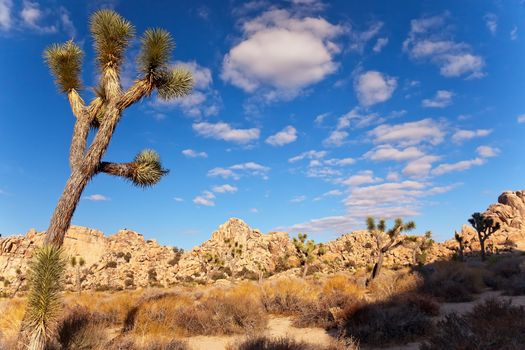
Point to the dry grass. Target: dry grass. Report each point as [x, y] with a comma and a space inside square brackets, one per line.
[12, 311]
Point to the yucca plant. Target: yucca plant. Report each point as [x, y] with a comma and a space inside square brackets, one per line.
[385, 240]
[111, 35]
[485, 227]
[46, 272]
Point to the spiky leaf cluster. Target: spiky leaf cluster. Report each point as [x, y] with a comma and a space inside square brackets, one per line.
[176, 82]
[483, 224]
[46, 273]
[147, 169]
[155, 52]
[307, 249]
[111, 35]
[65, 62]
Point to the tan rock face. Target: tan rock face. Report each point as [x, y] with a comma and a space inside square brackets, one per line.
[510, 213]
[127, 260]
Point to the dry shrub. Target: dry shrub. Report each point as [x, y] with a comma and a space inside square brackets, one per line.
[12, 312]
[266, 343]
[111, 307]
[398, 320]
[454, 281]
[79, 329]
[338, 295]
[507, 274]
[222, 313]
[493, 324]
[286, 295]
[390, 283]
[219, 311]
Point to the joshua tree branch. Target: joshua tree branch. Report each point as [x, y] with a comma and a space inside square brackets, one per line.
[140, 88]
[116, 169]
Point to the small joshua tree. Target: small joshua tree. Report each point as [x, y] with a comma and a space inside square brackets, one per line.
[78, 264]
[461, 245]
[485, 227]
[385, 240]
[419, 246]
[20, 278]
[307, 251]
[111, 34]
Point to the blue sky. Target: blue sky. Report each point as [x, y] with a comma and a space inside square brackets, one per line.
[306, 116]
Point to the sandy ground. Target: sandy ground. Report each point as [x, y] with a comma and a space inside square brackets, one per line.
[277, 327]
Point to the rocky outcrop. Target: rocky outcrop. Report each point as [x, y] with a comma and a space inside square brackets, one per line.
[234, 250]
[509, 212]
[122, 260]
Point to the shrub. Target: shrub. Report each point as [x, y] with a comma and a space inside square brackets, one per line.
[454, 282]
[395, 321]
[79, 329]
[111, 264]
[265, 343]
[493, 324]
[286, 295]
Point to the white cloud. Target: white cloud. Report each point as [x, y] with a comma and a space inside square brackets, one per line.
[190, 153]
[380, 44]
[223, 131]
[392, 176]
[491, 21]
[514, 33]
[238, 170]
[254, 210]
[308, 155]
[178, 199]
[487, 151]
[6, 20]
[205, 199]
[97, 198]
[463, 135]
[336, 138]
[410, 133]
[430, 39]
[458, 166]
[442, 99]
[340, 161]
[420, 167]
[319, 119]
[358, 39]
[362, 178]
[204, 100]
[387, 200]
[31, 15]
[283, 137]
[282, 52]
[298, 199]
[521, 118]
[374, 87]
[226, 188]
[387, 152]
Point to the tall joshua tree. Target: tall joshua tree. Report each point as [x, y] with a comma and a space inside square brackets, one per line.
[485, 227]
[385, 240]
[111, 35]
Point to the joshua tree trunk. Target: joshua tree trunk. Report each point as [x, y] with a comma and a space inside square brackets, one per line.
[66, 206]
[482, 247]
[305, 269]
[377, 268]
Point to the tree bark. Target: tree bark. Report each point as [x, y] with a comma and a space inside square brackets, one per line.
[305, 270]
[61, 218]
[482, 247]
[377, 268]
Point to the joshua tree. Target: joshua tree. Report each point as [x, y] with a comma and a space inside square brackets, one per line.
[485, 226]
[385, 240]
[419, 246]
[461, 245]
[111, 34]
[307, 251]
[78, 264]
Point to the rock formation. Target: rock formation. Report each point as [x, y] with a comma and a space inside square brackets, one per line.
[234, 250]
[509, 212]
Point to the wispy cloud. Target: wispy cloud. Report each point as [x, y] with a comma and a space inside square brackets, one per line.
[283, 137]
[97, 198]
[190, 153]
[442, 99]
[239, 170]
[223, 131]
